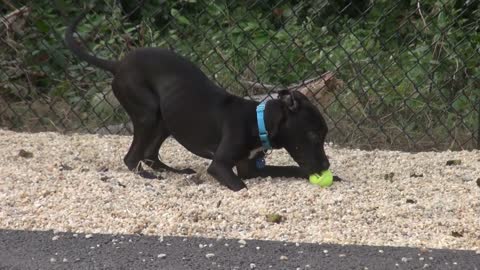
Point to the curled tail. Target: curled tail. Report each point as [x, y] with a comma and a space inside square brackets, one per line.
[81, 53]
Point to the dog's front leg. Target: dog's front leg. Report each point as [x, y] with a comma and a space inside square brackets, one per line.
[281, 171]
[223, 172]
[247, 168]
[221, 168]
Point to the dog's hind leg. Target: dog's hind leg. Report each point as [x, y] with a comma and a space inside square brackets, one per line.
[142, 108]
[152, 158]
[135, 153]
[149, 131]
[142, 136]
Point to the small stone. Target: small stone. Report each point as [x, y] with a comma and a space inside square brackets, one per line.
[258, 248]
[478, 182]
[88, 236]
[162, 255]
[325, 251]
[380, 251]
[25, 154]
[252, 266]
[55, 238]
[454, 162]
[65, 260]
[342, 255]
[209, 255]
[75, 235]
[242, 242]
[102, 169]
[389, 176]
[283, 258]
[404, 259]
[52, 260]
[426, 265]
[411, 201]
[201, 245]
[457, 234]
[65, 167]
[274, 218]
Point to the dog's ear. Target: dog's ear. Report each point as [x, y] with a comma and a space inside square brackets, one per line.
[289, 99]
[276, 113]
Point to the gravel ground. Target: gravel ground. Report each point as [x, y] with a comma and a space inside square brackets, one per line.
[78, 183]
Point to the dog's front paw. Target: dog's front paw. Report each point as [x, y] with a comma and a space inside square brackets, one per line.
[187, 171]
[237, 186]
[148, 175]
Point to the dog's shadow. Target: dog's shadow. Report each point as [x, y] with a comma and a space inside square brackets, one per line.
[336, 178]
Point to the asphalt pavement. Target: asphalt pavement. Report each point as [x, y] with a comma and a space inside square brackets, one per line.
[49, 250]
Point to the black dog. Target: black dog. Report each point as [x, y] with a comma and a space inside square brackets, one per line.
[165, 95]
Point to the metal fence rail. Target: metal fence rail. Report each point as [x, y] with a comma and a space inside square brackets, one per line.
[386, 74]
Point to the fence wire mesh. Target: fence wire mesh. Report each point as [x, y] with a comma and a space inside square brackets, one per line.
[400, 75]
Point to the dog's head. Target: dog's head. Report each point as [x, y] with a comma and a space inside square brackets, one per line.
[298, 126]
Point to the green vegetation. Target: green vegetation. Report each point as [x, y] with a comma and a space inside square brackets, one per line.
[411, 70]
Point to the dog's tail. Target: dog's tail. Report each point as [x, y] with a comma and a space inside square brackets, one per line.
[81, 53]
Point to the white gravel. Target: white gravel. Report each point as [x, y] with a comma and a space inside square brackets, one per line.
[79, 183]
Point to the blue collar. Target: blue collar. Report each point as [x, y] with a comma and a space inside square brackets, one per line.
[262, 130]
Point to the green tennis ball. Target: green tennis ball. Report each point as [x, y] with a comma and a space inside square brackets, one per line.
[324, 179]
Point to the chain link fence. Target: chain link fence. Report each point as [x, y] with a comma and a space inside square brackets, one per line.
[400, 75]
